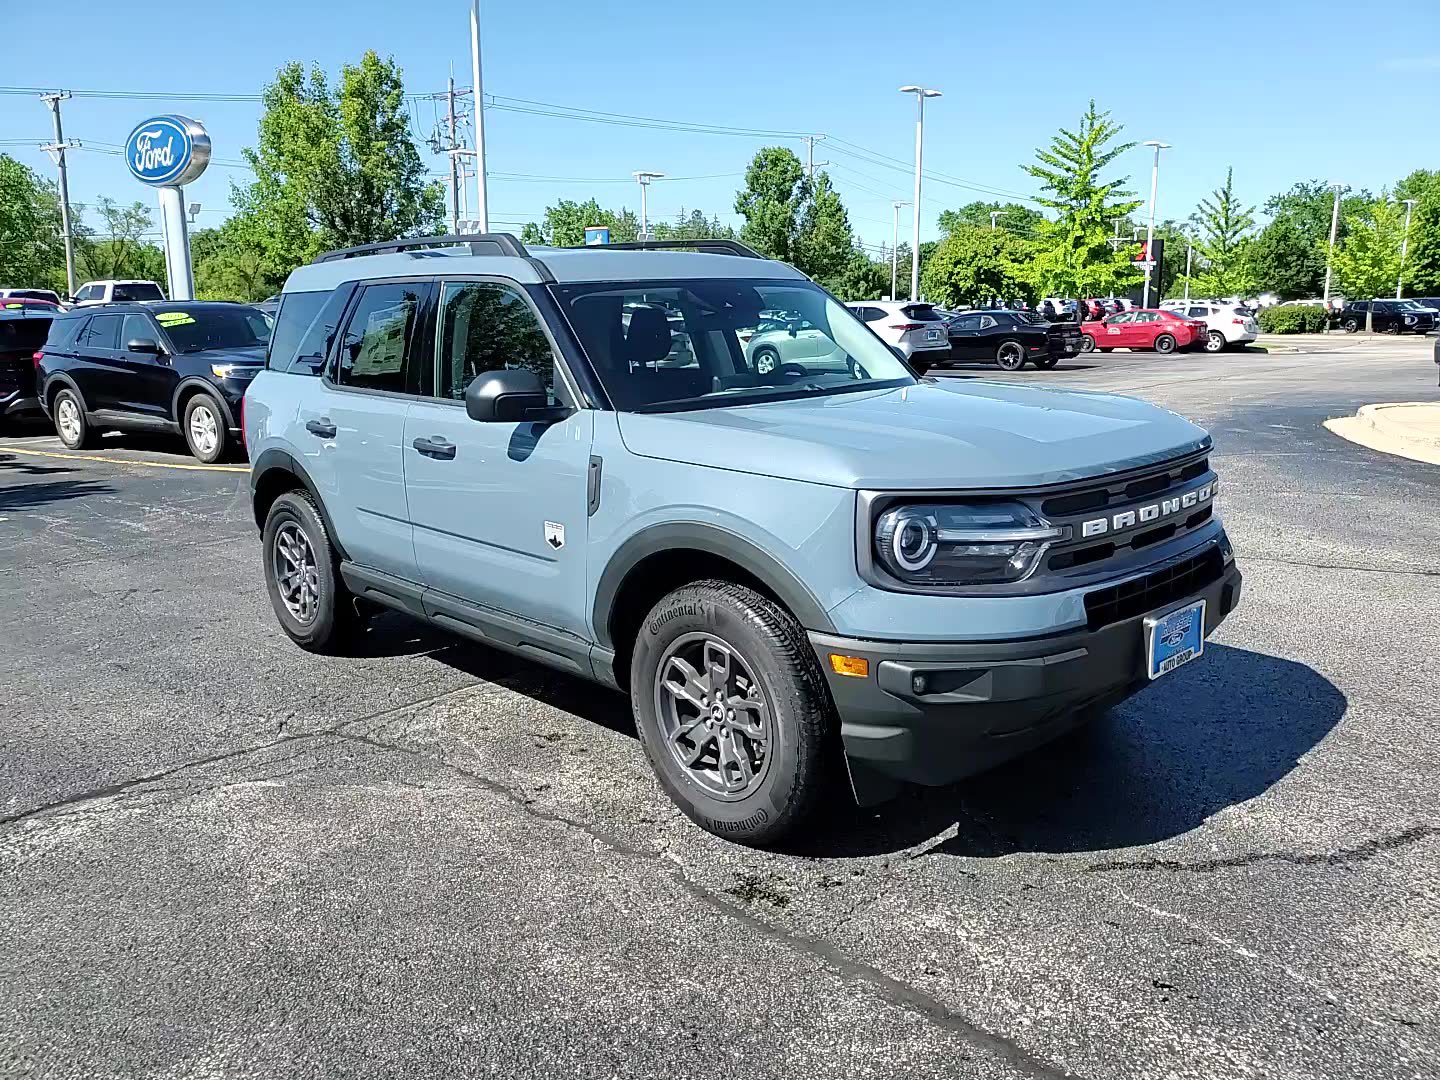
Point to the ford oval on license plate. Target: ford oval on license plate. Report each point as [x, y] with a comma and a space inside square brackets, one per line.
[1174, 639]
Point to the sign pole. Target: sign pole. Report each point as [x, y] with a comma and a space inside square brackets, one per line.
[166, 153]
[177, 243]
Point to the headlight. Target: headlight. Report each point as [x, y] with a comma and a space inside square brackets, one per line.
[232, 371]
[961, 544]
[1409, 320]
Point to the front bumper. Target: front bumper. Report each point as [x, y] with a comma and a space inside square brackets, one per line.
[983, 703]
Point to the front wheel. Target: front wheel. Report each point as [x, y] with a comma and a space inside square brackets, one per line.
[205, 432]
[1087, 343]
[1010, 355]
[1165, 344]
[732, 711]
[1214, 341]
[1351, 325]
[766, 361]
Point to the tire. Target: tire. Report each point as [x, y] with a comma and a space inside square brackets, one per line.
[204, 426]
[70, 424]
[1087, 344]
[782, 780]
[766, 360]
[1165, 344]
[1215, 341]
[332, 616]
[1010, 355]
[1045, 363]
[1350, 325]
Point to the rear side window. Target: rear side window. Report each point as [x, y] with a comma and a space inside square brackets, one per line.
[377, 339]
[102, 333]
[304, 327]
[144, 290]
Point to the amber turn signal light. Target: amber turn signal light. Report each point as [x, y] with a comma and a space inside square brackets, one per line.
[857, 666]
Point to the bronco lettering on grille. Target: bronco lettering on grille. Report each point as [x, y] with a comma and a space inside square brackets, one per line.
[1148, 514]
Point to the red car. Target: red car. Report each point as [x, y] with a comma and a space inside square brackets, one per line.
[1145, 328]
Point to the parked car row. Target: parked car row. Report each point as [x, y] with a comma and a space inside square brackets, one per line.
[109, 291]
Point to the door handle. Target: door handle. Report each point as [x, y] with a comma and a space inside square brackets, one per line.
[322, 427]
[435, 447]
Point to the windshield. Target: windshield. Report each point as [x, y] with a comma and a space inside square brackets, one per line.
[1411, 305]
[676, 345]
[196, 329]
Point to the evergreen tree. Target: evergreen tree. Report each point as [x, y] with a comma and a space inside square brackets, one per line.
[1223, 225]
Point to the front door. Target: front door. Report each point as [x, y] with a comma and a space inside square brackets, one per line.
[965, 338]
[499, 510]
[356, 421]
[144, 382]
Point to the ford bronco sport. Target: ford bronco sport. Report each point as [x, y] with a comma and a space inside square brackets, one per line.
[786, 566]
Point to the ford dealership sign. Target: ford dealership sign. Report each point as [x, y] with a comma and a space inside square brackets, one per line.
[167, 151]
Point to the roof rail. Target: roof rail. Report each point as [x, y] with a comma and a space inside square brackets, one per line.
[713, 247]
[478, 243]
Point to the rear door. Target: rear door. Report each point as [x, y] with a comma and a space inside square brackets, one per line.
[96, 370]
[1142, 330]
[500, 510]
[356, 421]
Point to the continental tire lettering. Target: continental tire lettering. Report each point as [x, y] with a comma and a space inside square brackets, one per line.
[758, 818]
[671, 614]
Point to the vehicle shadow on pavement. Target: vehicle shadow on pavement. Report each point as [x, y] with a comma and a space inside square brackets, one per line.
[1214, 734]
[27, 495]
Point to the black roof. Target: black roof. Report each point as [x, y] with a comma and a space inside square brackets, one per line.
[126, 307]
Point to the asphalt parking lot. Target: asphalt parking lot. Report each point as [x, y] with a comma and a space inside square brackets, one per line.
[221, 856]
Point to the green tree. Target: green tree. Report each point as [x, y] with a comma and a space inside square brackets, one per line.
[334, 168]
[31, 251]
[229, 265]
[1422, 258]
[1224, 225]
[975, 265]
[1367, 264]
[1074, 256]
[692, 226]
[117, 247]
[1288, 257]
[1018, 219]
[863, 277]
[566, 221]
[823, 240]
[772, 201]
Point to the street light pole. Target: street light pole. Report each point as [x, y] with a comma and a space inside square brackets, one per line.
[482, 209]
[644, 176]
[1338, 188]
[1189, 248]
[1150, 231]
[895, 249]
[921, 93]
[1404, 245]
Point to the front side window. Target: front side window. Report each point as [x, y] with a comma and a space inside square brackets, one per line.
[136, 327]
[486, 326]
[1118, 320]
[697, 344]
[968, 322]
[372, 352]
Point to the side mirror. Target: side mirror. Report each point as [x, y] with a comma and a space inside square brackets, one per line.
[793, 326]
[144, 345]
[510, 396]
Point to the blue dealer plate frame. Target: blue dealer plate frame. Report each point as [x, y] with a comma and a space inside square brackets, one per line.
[1174, 639]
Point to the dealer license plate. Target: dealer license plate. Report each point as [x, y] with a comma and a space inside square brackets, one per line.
[932, 335]
[1174, 639]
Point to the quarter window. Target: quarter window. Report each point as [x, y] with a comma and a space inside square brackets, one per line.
[486, 326]
[372, 353]
[986, 322]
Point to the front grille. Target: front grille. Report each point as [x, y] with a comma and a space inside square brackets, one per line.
[1142, 595]
[1103, 495]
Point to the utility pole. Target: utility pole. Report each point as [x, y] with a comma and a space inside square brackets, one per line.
[993, 215]
[482, 212]
[1338, 188]
[895, 249]
[1189, 248]
[57, 152]
[454, 178]
[1404, 245]
[810, 163]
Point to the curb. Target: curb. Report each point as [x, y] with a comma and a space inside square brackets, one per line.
[1378, 428]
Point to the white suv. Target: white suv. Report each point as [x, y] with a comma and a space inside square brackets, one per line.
[113, 292]
[910, 326]
[1229, 324]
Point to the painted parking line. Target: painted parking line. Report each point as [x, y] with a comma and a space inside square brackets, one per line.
[125, 461]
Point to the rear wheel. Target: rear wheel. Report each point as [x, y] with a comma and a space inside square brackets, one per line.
[766, 360]
[1351, 325]
[1214, 341]
[70, 423]
[302, 575]
[732, 711]
[1010, 355]
[1087, 343]
[1165, 344]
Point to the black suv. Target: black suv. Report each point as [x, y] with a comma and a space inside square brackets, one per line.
[23, 328]
[1390, 316]
[1010, 338]
[178, 367]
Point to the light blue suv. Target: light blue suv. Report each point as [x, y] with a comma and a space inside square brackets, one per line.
[797, 573]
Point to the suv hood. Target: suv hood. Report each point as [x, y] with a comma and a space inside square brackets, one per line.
[240, 354]
[932, 436]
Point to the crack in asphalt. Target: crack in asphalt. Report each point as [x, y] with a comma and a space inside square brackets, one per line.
[1370, 848]
[1337, 566]
[895, 991]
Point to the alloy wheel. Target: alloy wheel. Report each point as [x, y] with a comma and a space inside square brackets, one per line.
[297, 574]
[67, 419]
[1010, 356]
[1215, 341]
[204, 430]
[713, 715]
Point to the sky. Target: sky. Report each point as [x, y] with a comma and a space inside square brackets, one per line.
[1274, 89]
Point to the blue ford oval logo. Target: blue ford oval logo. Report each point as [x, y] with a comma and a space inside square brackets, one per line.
[167, 151]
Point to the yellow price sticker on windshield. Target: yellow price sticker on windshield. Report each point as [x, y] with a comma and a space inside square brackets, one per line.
[173, 318]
